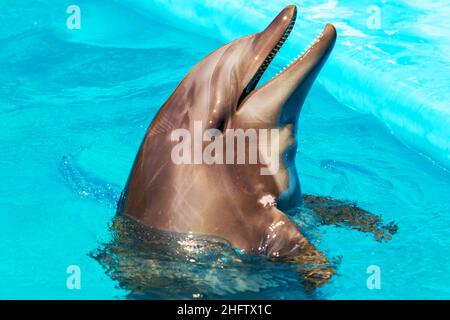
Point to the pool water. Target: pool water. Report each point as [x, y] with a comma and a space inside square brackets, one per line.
[75, 104]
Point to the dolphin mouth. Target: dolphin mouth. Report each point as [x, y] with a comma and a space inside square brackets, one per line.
[259, 73]
[254, 82]
[305, 62]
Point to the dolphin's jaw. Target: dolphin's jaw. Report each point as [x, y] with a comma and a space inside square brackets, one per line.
[304, 64]
[277, 104]
[259, 73]
[305, 54]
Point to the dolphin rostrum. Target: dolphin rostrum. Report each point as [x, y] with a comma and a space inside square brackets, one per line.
[232, 200]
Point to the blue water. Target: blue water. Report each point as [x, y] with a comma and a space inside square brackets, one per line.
[74, 105]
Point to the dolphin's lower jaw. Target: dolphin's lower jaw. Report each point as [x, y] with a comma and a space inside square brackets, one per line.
[304, 65]
[277, 103]
[233, 202]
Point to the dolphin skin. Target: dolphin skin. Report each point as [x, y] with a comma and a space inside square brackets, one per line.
[233, 201]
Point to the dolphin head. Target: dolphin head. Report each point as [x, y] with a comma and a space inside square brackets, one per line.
[224, 82]
[220, 91]
[226, 76]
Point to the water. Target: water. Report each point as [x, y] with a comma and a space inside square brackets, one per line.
[74, 106]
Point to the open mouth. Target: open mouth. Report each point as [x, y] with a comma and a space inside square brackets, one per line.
[300, 57]
[254, 81]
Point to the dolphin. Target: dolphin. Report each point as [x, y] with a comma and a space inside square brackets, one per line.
[233, 201]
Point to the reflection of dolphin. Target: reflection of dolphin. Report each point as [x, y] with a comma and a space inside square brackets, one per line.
[234, 202]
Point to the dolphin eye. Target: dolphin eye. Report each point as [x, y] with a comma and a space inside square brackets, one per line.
[221, 125]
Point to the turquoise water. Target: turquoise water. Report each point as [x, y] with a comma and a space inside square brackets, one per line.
[75, 104]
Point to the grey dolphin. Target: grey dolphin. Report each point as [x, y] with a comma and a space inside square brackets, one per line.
[233, 201]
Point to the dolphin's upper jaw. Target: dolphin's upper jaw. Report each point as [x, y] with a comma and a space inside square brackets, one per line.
[270, 41]
[291, 17]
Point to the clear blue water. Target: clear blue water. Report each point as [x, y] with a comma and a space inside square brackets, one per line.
[74, 106]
